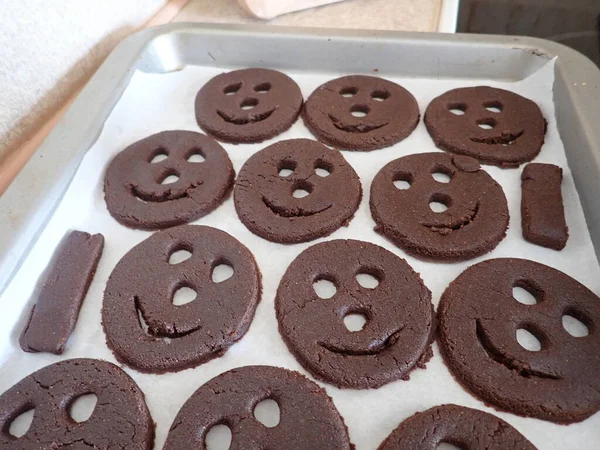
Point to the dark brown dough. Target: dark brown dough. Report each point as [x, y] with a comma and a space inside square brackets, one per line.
[469, 429]
[388, 113]
[248, 105]
[143, 327]
[54, 315]
[479, 319]
[308, 417]
[517, 125]
[474, 223]
[397, 335]
[542, 211]
[133, 189]
[120, 419]
[264, 199]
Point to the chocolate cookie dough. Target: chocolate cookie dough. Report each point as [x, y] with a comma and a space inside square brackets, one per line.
[54, 315]
[167, 179]
[479, 319]
[493, 125]
[120, 418]
[147, 331]
[359, 112]
[308, 418]
[405, 192]
[266, 191]
[542, 211]
[463, 427]
[248, 105]
[399, 324]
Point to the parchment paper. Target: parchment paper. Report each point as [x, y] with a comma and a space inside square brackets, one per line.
[157, 102]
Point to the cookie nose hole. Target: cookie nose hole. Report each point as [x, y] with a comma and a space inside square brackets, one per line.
[20, 424]
[262, 88]
[160, 154]
[486, 124]
[458, 109]
[380, 95]
[348, 92]
[249, 103]
[355, 322]
[448, 446]
[528, 340]
[574, 326]
[232, 88]
[195, 156]
[184, 295]
[179, 256]
[82, 407]
[267, 412]
[359, 110]
[218, 438]
[221, 272]
[526, 294]
[170, 178]
[324, 288]
[402, 181]
[302, 189]
[494, 107]
[439, 203]
[367, 280]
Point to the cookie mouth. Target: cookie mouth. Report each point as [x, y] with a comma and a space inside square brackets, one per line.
[457, 225]
[503, 139]
[375, 347]
[250, 118]
[158, 330]
[520, 367]
[360, 128]
[289, 211]
[165, 196]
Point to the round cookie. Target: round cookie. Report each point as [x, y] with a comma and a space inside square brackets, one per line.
[248, 105]
[479, 319]
[147, 331]
[266, 188]
[308, 417]
[476, 218]
[457, 425]
[399, 326]
[360, 112]
[137, 189]
[120, 418]
[493, 125]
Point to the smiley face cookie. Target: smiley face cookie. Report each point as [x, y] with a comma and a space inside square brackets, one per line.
[248, 105]
[479, 321]
[295, 191]
[407, 191]
[397, 307]
[360, 112]
[493, 125]
[167, 179]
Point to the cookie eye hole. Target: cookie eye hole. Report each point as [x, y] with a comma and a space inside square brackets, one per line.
[367, 280]
[494, 107]
[348, 92]
[355, 322]
[380, 95]
[218, 437]
[486, 124]
[301, 189]
[359, 110]
[575, 323]
[267, 412]
[525, 293]
[82, 407]
[160, 154]
[441, 174]
[232, 88]
[21, 424]
[179, 255]
[402, 181]
[169, 178]
[195, 155]
[184, 295]
[324, 288]
[248, 103]
[286, 168]
[262, 87]
[448, 446]
[323, 168]
[458, 109]
[223, 271]
[528, 340]
[439, 203]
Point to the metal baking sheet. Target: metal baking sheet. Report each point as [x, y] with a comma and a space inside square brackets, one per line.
[30, 201]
